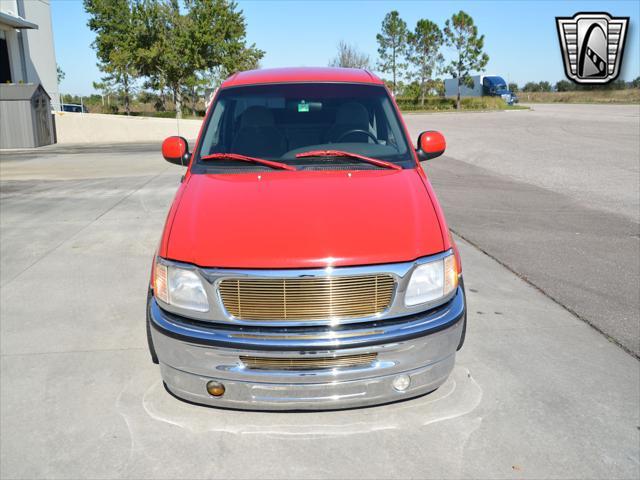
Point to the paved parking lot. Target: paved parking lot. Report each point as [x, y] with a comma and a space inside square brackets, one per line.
[536, 391]
[554, 194]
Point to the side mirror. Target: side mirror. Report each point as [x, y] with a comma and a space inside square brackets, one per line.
[176, 150]
[431, 144]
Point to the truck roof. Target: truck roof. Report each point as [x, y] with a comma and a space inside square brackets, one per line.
[301, 74]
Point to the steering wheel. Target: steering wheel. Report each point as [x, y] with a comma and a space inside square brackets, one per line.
[357, 130]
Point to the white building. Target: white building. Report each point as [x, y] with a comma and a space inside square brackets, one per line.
[27, 53]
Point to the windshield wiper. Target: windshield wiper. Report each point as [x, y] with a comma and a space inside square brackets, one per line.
[245, 158]
[341, 153]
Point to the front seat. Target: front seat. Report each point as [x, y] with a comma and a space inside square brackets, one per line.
[257, 135]
[350, 116]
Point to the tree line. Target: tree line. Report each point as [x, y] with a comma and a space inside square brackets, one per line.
[415, 55]
[567, 86]
[177, 47]
[161, 51]
[173, 47]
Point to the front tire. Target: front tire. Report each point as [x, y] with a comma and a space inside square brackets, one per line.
[152, 350]
[464, 333]
[464, 325]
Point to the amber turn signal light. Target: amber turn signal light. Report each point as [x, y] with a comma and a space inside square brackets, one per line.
[215, 389]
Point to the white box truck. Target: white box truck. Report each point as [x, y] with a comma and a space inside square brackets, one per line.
[483, 85]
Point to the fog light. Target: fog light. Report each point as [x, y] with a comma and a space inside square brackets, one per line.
[401, 382]
[215, 389]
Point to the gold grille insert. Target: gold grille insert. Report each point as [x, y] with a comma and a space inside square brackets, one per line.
[303, 363]
[318, 298]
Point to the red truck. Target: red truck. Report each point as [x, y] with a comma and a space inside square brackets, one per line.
[305, 262]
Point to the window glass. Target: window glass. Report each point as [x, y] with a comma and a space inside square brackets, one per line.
[276, 122]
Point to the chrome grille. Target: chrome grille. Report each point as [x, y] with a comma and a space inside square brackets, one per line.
[317, 298]
[307, 363]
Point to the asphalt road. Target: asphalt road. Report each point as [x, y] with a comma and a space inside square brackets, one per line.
[554, 194]
[536, 392]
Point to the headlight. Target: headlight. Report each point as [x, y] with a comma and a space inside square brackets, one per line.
[432, 281]
[180, 287]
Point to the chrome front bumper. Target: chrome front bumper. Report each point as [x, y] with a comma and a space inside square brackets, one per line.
[420, 346]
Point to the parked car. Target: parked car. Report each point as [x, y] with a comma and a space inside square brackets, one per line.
[483, 85]
[305, 262]
[74, 108]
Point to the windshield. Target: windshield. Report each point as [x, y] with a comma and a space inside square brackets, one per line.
[277, 122]
[495, 83]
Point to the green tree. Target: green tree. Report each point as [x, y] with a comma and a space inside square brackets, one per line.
[106, 90]
[115, 26]
[618, 85]
[537, 87]
[564, 86]
[423, 54]
[635, 83]
[410, 91]
[615, 85]
[166, 53]
[156, 84]
[177, 50]
[349, 57]
[437, 86]
[392, 46]
[219, 32]
[513, 87]
[544, 86]
[462, 35]
[60, 74]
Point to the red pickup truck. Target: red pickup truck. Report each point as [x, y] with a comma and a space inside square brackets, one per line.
[305, 262]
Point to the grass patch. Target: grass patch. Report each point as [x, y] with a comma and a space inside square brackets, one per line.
[442, 104]
[627, 96]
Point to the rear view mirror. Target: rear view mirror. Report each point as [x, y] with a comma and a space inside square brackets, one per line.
[176, 150]
[431, 144]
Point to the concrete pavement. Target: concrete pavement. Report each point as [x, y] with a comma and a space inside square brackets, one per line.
[586, 152]
[554, 194]
[536, 392]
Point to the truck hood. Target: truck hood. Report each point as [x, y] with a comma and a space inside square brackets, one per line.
[304, 219]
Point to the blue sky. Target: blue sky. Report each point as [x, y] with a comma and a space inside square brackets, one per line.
[520, 36]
